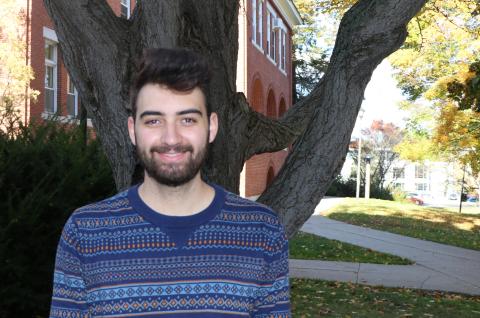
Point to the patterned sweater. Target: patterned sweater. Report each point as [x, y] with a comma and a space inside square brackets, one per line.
[120, 258]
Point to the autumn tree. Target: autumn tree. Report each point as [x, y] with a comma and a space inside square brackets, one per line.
[99, 49]
[15, 74]
[379, 142]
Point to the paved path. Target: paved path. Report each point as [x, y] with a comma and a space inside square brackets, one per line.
[437, 266]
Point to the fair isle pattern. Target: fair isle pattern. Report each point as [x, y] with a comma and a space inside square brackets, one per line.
[116, 259]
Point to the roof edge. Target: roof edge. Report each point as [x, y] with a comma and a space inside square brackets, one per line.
[289, 12]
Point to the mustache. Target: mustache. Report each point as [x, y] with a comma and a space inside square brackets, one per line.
[174, 148]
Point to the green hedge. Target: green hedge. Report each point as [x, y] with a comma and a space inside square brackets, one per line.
[46, 172]
[347, 188]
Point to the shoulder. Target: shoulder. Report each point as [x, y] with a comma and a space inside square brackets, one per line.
[243, 210]
[114, 203]
[102, 213]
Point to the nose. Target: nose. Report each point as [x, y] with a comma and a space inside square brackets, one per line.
[171, 134]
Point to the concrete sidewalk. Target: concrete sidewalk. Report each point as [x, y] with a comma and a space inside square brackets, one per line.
[437, 266]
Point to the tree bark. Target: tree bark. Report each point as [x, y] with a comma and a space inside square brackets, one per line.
[99, 49]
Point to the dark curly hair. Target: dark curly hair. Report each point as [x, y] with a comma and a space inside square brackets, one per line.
[178, 69]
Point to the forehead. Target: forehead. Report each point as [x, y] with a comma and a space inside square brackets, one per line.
[155, 97]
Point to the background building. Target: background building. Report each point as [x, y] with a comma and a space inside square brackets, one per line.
[264, 70]
[264, 74]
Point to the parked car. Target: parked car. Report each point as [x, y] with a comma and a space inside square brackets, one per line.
[453, 196]
[472, 199]
[415, 198]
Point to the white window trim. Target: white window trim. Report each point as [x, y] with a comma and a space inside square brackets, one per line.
[260, 23]
[50, 34]
[271, 16]
[126, 5]
[65, 119]
[283, 49]
[75, 93]
[53, 63]
[254, 21]
[258, 47]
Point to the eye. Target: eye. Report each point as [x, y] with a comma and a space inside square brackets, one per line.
[188, 121]
[152, 122]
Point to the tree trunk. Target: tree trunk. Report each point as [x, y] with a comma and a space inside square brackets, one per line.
[99, 50]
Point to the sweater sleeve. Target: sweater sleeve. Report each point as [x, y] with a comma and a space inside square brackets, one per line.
[69, 293]
[273, 300]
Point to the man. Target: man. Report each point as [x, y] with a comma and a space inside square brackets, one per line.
[175, 245]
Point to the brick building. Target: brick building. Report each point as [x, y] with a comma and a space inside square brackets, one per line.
[264, 74]
[264, 70]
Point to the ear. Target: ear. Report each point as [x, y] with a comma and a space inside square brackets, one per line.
[213, 127]
[131, 129]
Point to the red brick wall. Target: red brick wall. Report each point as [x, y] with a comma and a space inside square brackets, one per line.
[273, 81]
[39, 19]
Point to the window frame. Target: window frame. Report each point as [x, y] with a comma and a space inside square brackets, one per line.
[74, 94]
[271, 43]
[125, 4]
[51, 63]
[421, 186]
[282, 63]
[399, 175]
[423, 174]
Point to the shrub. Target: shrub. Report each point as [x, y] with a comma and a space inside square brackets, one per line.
[46, 171]
[342, 188]
[399, 195]
[348, 188]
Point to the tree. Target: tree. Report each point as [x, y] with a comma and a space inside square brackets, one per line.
[379, 142]
[457, 132]
[98, 50]
[15, 74]
[310, 60]
[417, 144]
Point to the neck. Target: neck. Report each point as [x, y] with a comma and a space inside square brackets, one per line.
[187, 199]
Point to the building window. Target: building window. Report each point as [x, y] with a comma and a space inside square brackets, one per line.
[420, 172]
[125, 9]
[260, 24]
[398, 185]
[254, 21]
[421, 186]
[72, 98]
[398, 173]
[283, 50]
[272, 25]
[257, 23]
[50, 77]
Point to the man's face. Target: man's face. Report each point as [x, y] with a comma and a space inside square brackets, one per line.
[171, 132]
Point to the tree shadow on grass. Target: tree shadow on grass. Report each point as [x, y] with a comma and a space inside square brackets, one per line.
[446, 229]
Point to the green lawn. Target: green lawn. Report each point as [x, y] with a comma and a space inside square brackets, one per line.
[316, 298]
[309, 246]
[433, 224]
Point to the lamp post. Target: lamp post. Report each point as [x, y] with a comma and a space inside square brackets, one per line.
[359, 159]
[463, 152]
[367, 177]
[461, 191]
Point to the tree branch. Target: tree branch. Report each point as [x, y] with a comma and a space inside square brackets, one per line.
[369, 32]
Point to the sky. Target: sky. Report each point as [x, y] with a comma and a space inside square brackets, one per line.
[381, 100]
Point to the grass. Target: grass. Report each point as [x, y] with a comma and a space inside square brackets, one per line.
[317, 298]
[313, 247]
[433, 224]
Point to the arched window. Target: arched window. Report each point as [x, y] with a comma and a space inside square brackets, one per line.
[257, 96]
[283, 107]
[271, 105]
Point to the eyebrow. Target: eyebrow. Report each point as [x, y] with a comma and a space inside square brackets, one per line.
[183, 112]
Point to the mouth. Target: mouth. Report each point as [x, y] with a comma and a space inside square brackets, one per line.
[171, 156]
[172, 153]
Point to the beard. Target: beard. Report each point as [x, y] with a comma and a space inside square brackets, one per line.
[172, 174]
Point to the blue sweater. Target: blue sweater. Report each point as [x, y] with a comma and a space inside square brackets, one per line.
[120, 258]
